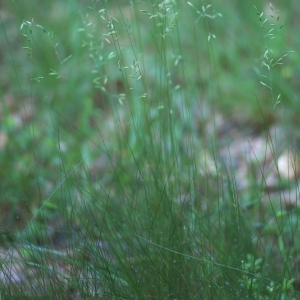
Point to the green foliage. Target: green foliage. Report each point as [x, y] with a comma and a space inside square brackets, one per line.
[113, 183]
[255, 288]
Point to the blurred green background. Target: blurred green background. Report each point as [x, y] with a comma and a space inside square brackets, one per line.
[60, 77]
[108, 106]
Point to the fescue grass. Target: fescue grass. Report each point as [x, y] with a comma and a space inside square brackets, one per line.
[119, 178]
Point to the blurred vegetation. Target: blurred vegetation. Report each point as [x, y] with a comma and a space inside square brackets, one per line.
[108, 112]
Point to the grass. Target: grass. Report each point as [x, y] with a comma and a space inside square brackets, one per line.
[139, 145]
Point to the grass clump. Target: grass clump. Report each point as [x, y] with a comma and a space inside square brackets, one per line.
[125, 178]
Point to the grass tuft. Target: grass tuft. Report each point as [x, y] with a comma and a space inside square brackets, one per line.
[147, 150]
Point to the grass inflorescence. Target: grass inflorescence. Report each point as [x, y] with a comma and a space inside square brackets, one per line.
[147, 151]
